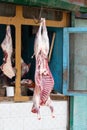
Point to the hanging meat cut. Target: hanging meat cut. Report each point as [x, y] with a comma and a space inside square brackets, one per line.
[24, 68]
[6, 46]
[44, 81]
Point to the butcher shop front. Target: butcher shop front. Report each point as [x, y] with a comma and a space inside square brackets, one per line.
[32, 71]
[18, 29]
[23, 23]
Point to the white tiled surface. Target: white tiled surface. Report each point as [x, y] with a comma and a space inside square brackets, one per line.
[18, 116]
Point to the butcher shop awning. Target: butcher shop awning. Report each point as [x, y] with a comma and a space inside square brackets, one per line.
[71, 5]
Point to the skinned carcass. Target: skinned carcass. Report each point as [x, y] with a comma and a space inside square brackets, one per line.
[6, 46]
[43, 78]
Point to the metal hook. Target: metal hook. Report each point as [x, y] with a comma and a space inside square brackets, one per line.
[37, 21]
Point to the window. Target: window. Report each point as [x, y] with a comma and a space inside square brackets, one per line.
[75, 61]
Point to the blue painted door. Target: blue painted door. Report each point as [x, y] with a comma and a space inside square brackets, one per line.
[75, 61]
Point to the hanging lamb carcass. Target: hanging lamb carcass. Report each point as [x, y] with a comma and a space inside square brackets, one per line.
[6, 46]
[44, 81]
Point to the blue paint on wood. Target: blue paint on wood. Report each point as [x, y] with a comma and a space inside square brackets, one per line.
[78, 113]
[66, 66]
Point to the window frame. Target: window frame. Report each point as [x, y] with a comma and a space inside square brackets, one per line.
[66, 32]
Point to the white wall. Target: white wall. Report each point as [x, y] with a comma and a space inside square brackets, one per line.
[18, 116]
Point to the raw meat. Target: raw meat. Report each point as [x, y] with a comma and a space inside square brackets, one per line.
[7, 49]
[41, 40]
[24, 68]
[43, 78]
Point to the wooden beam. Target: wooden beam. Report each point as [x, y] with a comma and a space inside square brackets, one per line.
[24, 21]
[18, 60]
[21, 98]
[51, 47]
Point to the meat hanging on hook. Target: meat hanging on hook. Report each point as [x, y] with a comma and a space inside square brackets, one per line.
[6, 46]
[44, 81]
